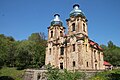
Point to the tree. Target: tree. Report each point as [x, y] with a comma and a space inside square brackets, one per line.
[6, 50]
[37, 37]
[24, 54]
[30, 54]
[111, 45]
[10, 57]
[112, 53]
[38, 49]
[39, 55]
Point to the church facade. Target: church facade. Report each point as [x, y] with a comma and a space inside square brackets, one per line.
[72, 50]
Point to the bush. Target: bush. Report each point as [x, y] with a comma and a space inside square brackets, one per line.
[107, 75]
[56, 74]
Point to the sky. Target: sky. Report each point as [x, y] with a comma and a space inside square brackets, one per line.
[21, 18]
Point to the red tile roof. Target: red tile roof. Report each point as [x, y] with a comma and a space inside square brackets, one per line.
[100, 48]
[94, 44]
[107, 63]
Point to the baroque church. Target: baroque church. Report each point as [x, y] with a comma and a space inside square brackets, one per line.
[72, 50]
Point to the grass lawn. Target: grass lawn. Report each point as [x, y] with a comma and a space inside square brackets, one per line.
[12, 72]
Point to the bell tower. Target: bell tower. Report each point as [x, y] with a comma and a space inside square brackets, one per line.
[56, 28]
[78, 36]
[77, 23]
[55, 38]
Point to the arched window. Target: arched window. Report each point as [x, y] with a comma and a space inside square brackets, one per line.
[73, 27]
[51, 34]
[84, 27]
[86, 47]
[73, 63]
[96, 66]
[87, 64]
[61, 65]
[62, 51]
[61, 34]
[73, 47]
[49, 51]
[99, 56]
[95, 54]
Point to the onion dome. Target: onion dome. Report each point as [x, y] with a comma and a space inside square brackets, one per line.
[56, 20]
[76, 11]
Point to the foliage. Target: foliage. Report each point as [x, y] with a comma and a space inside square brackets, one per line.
[111, 53]
[107, 75]
[23, 54]
[37, 37]
[11, 72]
[56, 74]
[6, 49]
[53, 73]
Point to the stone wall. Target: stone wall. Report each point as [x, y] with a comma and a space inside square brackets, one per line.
[32, 74]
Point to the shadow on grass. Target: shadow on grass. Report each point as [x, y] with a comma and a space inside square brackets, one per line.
[6, 78]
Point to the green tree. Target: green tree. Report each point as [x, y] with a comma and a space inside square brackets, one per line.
[30, 54]
[39, 55]
[112, 53]
[35, 37]
[24, 54]
[38, 49]
[10, 57]
[6, 50]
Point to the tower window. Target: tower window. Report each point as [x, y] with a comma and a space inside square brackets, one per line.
[86, 47]
[99, 56]
[84, 27]
[50, 51]
[73, 47]
[95, 54]
[73, 63]
[61, 34]
[96, 66]
[61, 65]
[62, 51]
[73, 27]
[87, 64]
[51, 34]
